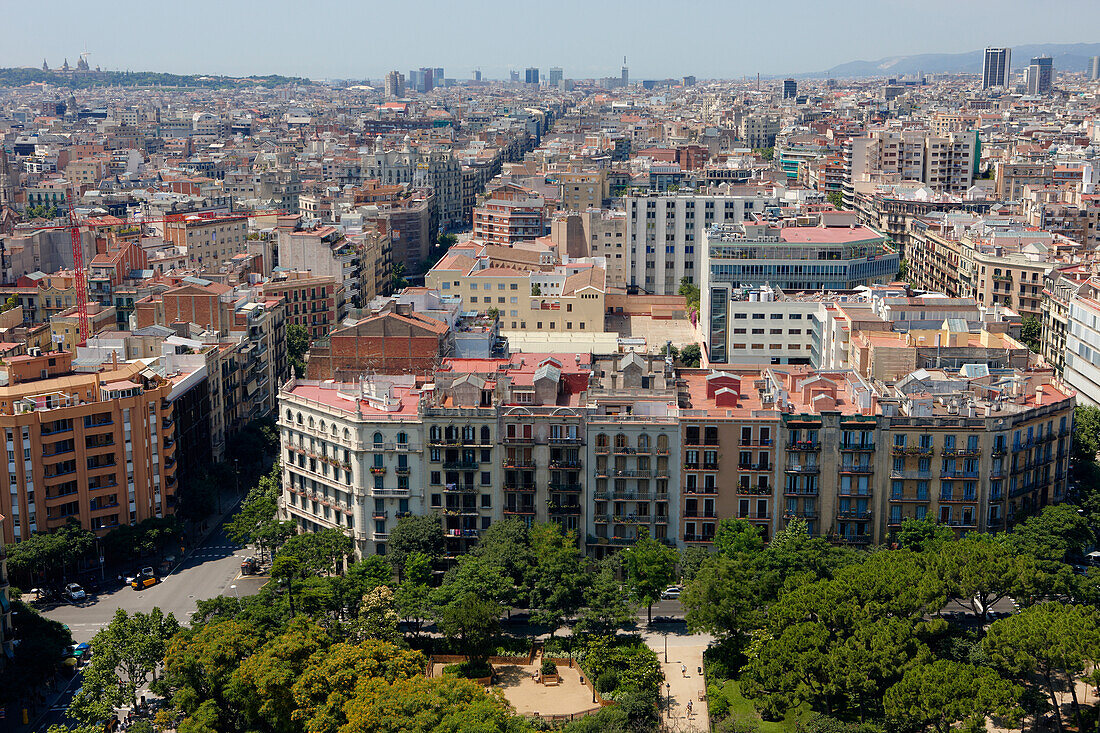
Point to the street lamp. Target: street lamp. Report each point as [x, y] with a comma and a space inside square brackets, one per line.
[237, 596]
[668, 693]
[666, 646]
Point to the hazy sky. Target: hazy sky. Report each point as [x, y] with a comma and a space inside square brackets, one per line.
[587, 38]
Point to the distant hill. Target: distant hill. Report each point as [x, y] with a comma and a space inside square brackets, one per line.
[1067, 57]
[16, 77]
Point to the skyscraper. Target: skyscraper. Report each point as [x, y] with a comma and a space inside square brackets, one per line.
[790, 89]
[997, 68]
[555, 76]
[477, 74]
[437, 76]
[531, 76]
[1040, 75]
[395, 84]
[1094, 68]
[626, 73]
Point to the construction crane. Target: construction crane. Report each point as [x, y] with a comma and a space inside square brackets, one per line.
[80, 277]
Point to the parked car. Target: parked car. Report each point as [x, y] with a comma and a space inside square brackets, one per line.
[670, 593]
[142, 582]
[75, 593]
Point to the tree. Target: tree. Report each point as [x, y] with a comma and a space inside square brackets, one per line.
[474, 575]
[737, 536]
[558, 577]
[836, 198]
[1056, 533]
[1031, 333]
[650, 567]
[297, 344]
[44, 555]
[507, 545]
[837, 644]
[323, 551]
[607, 605]
[428, 704]
[1053, 641]
[692, 560]
[398, 281]
[690, 292]
[691, 356]
[378, 616]
[1086, 432]
[977, 569]
[722, 599]
[919, 535]
[939, 695]
[421, 533]
[472, 621]
[125, 655]
[256, 521]
[413, 595]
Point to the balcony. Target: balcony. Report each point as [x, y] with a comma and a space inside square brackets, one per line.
[562, 486]
[862, 447]
[518, 440]
[859, 516]
[810, 468]
[567, 440]
[378, 470]
[961, 452]
[755, 490]
[518, 463]
[402, 471]
[698, 538]
[800, 492]
[758, 516]
[567, 509]
[799, 514]
[379, 515]
[602, 449]
[803, 445]
[460, 488]
[519, 487]
[460, 465]
[521, 510]
[565, 464]
[862, 468]
[959, 474]
[632, 474]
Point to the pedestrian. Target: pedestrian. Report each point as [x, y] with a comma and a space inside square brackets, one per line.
[683, 670]
[689, 708]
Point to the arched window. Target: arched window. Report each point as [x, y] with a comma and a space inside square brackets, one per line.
[378, 438]
[452, 432]
[643, 442]
[485, 435]
[334, 430]
[289, 416]
[347, 434]
[311, 421]
[662, 443]
[299, 418]
[468, 434]
[620, 441]
[436, 432]
[323, 427]
[402, 438]
[601, 440]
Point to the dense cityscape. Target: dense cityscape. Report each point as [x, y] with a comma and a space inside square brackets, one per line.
[442, 402]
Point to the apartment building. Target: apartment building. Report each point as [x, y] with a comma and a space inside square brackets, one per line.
[360, 262]
[7, 642]
[944, 163]
[585, 190]
[511, 214]
[1081, 369]
[98, 447]
[547, 297]
[440, 169]
[664, 240]
[633, 440]
[210, 239]
[316, 303]
[1061, 285]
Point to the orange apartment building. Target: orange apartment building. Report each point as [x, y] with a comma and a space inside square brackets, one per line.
[511, 214]
[315, 302]
[97, 447]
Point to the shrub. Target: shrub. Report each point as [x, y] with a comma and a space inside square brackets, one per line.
[469, 670]
[548, 667]
[717, 703]
[607, 682]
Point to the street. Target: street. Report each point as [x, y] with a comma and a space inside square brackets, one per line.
[207, 571]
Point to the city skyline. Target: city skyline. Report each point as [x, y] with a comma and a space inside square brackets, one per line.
[573, 38]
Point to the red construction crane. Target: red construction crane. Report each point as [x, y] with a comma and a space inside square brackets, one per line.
[80, 277]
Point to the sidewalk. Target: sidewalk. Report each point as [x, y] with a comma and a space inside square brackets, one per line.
[684, 651]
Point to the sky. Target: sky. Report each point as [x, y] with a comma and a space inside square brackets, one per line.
[323, 39]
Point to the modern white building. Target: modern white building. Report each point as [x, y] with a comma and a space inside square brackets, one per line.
[1082, 367]
[664, 235]
[997, 68]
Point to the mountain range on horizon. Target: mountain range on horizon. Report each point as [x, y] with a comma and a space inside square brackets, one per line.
[1067, 57]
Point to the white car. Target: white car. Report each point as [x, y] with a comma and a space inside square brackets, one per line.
[74, 592]
[671, 593]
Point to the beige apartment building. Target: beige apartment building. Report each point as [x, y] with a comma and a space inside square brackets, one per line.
[583, 191]
[210, 239]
